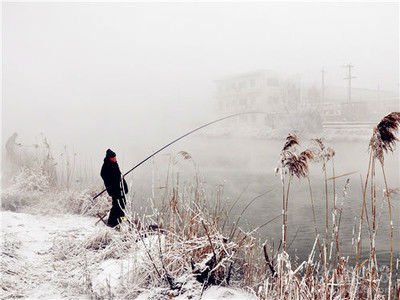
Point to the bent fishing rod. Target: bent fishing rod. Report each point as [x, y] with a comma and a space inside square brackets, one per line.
[181, 137]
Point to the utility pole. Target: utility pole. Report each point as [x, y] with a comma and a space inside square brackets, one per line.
[322, 85]
[349, 78]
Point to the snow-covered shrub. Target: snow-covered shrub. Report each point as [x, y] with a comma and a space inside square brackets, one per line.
[26, 189]
[31, 189]
[30, 180]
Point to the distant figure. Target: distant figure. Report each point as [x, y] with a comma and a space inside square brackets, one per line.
[116, 187]
[11, 148]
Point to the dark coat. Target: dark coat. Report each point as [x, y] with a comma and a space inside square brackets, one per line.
[112, 178]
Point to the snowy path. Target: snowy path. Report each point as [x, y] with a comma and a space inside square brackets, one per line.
[27, 267]
[29, 270]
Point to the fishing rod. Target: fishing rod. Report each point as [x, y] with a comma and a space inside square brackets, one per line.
[181, 137]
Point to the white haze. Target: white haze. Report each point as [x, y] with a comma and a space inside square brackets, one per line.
[131, 76]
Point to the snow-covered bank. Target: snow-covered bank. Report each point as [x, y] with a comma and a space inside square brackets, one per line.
[27, 267]
[67, 256]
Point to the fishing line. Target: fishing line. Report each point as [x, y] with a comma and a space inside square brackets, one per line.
[181, 137]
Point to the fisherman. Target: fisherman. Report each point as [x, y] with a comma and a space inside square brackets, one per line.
[116, 187]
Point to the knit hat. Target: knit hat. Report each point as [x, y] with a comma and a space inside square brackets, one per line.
[110, 153]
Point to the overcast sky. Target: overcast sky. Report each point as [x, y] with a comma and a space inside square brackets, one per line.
[99, 74]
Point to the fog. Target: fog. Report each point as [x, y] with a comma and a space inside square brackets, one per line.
[98, 75]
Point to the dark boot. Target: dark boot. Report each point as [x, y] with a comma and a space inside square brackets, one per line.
[116, 212]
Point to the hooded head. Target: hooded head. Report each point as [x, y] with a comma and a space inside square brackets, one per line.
[110, 155]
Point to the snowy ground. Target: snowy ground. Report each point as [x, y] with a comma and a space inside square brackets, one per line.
[27, 266]
[34, 267]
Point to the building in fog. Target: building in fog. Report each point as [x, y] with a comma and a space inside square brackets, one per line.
[262, 90]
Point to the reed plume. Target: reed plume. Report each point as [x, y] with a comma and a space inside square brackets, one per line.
[384, 135]
[297, 164]
[185, 155]
[323, 153]
[291, 140]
